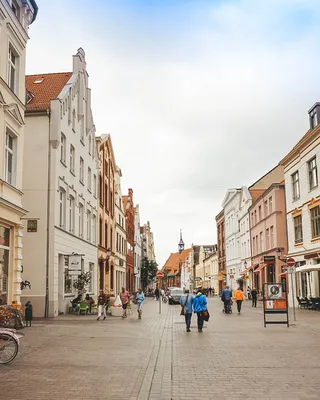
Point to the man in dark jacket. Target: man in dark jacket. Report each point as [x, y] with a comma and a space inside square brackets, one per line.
[254, 295]
[102, 302]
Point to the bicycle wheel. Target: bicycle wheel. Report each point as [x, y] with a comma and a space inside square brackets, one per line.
[8, 348]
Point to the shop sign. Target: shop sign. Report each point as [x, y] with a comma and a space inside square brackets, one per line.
[269, 259]
[32, 225]
[75, 263]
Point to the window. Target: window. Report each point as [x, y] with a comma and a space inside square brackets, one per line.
[89, 179]
[295, 185]
[313, 173]
[100, 231]
[260, 213]
[270, 205]
[90, 285]
[71, 214]
[257, 244]
[297, 221]
[90, 144]
[72, 159]
[9, 157]
[81, 217]
[100, 189]
[106, 196]
[111, 203]
[106, 168]
[62, 208]
[106, 236]
[15, 8]
[255, 216]
[315, 221]
[271, 237]
[68, 279]
[63, 149]
[4, 263]
[74, 120]
[82, 130]
[88, 225]
[268, 239]
[266, 208]
[95, 185]
[111, 239]
[13, 69]
[261, 242]
[252, 218]
[313, 119]
[94, 229]
[81, 175]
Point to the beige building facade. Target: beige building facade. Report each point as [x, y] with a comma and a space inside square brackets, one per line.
[60, 187]
[107, 234]
[15, 18]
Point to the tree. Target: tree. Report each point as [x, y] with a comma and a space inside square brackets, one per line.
[148, 271]
[82, 283]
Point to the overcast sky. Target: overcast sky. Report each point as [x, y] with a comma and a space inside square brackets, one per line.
[198, 95]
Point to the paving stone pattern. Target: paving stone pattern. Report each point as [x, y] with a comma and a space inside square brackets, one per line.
[75, 358]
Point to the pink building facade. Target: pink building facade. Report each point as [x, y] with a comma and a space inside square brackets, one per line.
[268, 231]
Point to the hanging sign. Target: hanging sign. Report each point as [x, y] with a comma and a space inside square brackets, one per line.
[75, 263]
[32, 225]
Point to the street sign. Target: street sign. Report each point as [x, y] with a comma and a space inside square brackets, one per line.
[160, 274]
[231, 276]
[267, 259]
[274, 291]
[291, 262]
[291, 270]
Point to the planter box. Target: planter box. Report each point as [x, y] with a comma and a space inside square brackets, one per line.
[116, 311]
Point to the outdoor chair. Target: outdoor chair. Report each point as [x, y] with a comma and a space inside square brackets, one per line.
[315, 303]
[83, 307]
[302, 303]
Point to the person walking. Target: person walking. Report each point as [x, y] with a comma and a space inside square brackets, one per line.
[249, 292]
[187, 301]
[200, 305]
[239, 297]
[157, 293]
[254, 296]
[102, 301]
[140, 300]
[124, 297]
[226, 298]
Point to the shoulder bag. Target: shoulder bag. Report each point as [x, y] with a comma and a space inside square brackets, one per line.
[183, 308]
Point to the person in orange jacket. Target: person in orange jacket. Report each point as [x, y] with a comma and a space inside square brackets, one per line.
[239, 297]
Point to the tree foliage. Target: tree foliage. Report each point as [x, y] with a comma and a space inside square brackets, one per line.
[148, 272]
[82, 283]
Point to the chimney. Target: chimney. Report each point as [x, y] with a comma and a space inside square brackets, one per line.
[314, 115]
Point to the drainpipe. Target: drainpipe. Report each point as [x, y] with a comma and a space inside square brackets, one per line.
[46, 309]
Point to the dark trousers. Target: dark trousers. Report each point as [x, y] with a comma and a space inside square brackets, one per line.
[227, 306]
[239, 304]
[254, 302]
[200, 320]
[188, 320]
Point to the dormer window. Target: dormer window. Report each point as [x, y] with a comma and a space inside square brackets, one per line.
[314, 115]
[15, 8]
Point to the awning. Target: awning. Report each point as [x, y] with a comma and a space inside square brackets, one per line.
[308, 268]
[245, 272]
[260, 268]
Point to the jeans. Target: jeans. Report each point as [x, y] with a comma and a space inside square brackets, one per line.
[239, 304]
[227, 306]
[254, 302]
[200, 320]
[188, 320]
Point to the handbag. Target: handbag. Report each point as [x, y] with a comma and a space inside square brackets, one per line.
[183, 308]
[206, 315]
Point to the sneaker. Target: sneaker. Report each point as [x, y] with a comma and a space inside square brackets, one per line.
[200, 330]
[188, 330]
[104, 318]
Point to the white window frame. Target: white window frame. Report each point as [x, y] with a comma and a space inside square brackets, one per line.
[62, 208]
[94, 229]
[81, 219]
[298, 229]
[63, 148]
[10, 154]
[74, 116]
[90, 144]
[81, 170]
[95, 185]
[72, 159]
[313, 173]
[295, 186]
[89, 180]
[89, 225]
[13, 66]
[71, 214]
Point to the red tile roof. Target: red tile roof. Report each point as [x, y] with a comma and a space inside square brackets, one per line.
[45, 87]
[172, 264]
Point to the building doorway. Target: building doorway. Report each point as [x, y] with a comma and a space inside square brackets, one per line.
[101, 275]
[271, 271]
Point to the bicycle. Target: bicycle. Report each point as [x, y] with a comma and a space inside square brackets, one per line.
[9, 345]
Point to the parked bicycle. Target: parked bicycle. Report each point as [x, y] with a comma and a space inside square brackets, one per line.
[9, 345]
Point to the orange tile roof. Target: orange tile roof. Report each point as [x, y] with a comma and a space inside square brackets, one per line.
[48, 88]
[172, 264]
[256, 193]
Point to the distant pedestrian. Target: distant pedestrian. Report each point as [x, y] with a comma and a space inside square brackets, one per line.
[187, 301]
[249, 292]
[102, 303]
[157, 293]
[140, 300]
[200, 305]
[239, 297]
[213, 292]
[226, 298]
[125, 298]
[254, 296]
[28, 313]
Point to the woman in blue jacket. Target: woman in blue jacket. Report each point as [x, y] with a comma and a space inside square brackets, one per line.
[200, 305]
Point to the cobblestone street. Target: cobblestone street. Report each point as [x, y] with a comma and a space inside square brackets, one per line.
[76, 357]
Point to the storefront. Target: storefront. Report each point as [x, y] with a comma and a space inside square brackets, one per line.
[4, 264]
